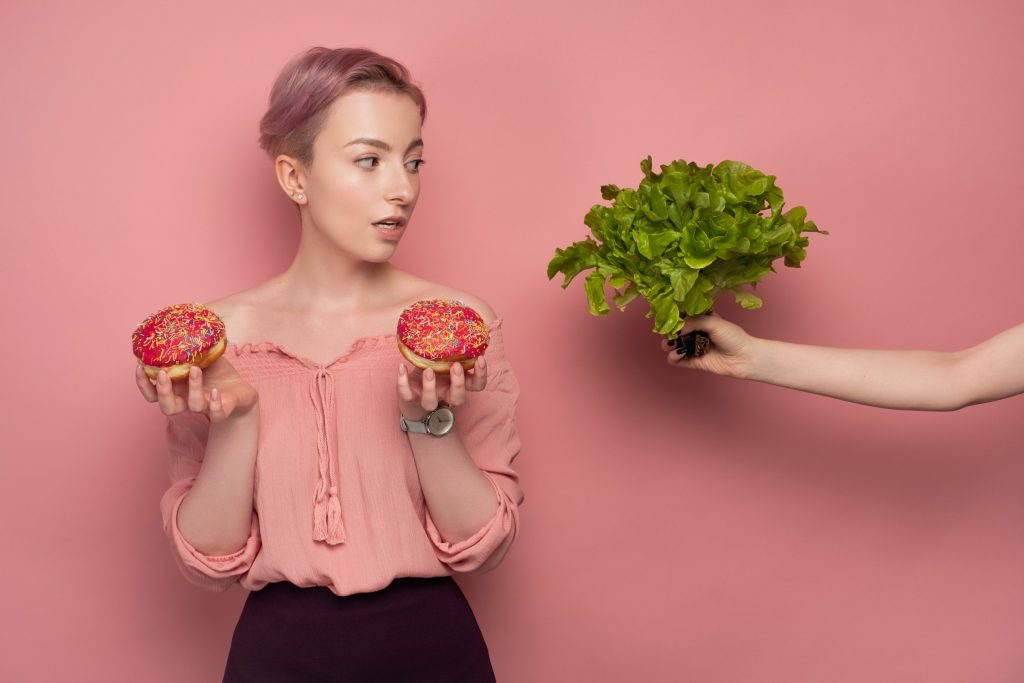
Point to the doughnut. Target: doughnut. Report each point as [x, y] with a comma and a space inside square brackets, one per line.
[177, 337]
[438, 332]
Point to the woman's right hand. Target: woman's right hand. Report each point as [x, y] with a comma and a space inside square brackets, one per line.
[219, 392]
[730, 353]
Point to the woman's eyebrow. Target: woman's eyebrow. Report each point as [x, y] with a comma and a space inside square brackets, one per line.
[381, 145]
[372, 142]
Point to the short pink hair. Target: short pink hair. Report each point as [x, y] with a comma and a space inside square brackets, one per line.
[308, 85]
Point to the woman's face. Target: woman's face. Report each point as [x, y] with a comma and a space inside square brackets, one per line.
[363, 182]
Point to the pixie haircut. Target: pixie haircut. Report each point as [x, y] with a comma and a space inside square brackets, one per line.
[308, 85]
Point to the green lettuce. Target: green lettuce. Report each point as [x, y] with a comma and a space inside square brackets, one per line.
[682, 238]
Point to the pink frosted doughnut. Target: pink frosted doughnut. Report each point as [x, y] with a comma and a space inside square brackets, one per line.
[177, 337]
[438, 332]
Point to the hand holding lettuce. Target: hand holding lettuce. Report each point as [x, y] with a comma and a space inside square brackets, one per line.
[682, 238]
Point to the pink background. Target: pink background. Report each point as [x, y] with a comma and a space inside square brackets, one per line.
[678, 527]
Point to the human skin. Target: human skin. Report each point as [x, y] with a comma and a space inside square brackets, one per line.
[340, 287]
[903, 380]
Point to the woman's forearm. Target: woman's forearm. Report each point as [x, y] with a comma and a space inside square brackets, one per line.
[910, 380]
[460, 498]
[216, 514]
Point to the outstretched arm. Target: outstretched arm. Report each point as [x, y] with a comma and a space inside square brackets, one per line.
[909, 380]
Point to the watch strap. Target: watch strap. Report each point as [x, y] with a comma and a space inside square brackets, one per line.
[420, 426]
[414, 426]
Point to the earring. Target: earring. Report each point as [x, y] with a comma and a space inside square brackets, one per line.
[300, 196]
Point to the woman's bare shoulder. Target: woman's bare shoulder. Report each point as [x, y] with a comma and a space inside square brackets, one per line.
[231, 306]
[239, 311]
[424, 289]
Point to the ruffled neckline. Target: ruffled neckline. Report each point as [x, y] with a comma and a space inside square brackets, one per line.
[359, 345]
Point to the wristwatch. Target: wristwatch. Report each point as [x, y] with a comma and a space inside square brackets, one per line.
[437, 422]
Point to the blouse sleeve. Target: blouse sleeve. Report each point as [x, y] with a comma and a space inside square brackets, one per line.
[488, 427]
[186, 443]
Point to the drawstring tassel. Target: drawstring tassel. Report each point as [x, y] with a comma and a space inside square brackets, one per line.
[327, 518]
[335, 529]
[320, 515]
[327, 525]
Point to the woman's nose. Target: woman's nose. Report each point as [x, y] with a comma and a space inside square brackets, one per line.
[400, 187]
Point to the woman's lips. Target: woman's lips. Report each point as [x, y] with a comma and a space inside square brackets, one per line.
[390, 228]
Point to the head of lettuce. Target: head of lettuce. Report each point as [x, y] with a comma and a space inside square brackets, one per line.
[683, 237]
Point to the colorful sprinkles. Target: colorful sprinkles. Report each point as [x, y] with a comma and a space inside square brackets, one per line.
[443, 329]
[176, 334]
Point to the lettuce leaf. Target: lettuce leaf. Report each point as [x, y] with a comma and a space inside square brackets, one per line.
[684, 236]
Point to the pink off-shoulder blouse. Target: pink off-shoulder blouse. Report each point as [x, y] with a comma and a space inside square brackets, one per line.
[337, 500]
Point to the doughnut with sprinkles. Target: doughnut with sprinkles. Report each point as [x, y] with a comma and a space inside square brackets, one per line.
[177, 337]
[435, 333]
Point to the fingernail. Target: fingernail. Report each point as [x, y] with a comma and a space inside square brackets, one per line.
[401, 368]
[429, 373]
[161, 377]
[214, 395]
[672, 342]
[193, 372]
[482, 363]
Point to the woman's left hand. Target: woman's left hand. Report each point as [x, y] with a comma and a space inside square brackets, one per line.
[420, 391]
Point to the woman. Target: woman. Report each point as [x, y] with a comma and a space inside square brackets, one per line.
[908, 380]
[290, 472]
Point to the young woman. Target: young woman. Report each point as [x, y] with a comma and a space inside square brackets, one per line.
[909, 380]
[290, 473]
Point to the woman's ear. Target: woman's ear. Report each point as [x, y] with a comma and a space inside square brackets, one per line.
[290, 177]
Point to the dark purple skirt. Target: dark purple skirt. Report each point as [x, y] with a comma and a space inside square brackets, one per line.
[415, 630]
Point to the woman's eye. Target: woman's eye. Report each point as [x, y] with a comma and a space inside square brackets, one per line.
[368, 162]
[414, 165]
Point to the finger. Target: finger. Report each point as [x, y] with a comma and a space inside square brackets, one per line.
[405, 392]
[478, 376]
[217, 407]
[457, 385]
[428, 396]
[145, 384]
[196, 400]
[165, 396]
[679, 358]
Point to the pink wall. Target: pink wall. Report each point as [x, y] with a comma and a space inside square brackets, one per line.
[677, 527]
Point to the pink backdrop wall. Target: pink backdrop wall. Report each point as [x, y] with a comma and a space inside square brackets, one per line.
[677, 527]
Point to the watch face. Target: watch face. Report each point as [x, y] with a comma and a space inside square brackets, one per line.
[441, 421]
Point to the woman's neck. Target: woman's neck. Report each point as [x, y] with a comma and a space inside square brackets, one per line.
[323, 276]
